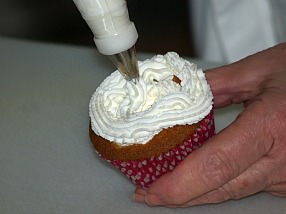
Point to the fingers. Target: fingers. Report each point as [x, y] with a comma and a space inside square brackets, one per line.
[251, 181]
[232, 84]
[277, 189]
[254, 179]
[243, 80]
[214, 165]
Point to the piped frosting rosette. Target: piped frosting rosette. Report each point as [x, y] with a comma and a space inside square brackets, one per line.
[128, 113]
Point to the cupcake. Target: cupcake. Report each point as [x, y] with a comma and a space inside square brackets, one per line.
[145, 129]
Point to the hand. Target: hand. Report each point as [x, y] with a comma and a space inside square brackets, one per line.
[246, 157]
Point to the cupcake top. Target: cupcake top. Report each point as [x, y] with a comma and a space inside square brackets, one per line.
[170, 91]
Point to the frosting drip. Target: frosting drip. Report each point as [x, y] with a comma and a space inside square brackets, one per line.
[128, 113]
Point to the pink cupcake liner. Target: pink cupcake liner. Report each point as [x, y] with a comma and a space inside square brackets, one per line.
[143, 172]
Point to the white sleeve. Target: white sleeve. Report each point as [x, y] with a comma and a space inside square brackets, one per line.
[228, 30]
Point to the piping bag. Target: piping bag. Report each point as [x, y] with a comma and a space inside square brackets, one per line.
[114, 34]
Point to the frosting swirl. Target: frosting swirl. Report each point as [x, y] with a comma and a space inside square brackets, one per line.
[128, 113]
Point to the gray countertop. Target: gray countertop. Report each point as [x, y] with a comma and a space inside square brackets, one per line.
[47, 164]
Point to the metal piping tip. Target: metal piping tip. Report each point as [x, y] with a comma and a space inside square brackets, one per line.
[126, 63]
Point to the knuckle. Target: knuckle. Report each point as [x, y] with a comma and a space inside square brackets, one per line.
[217, 169]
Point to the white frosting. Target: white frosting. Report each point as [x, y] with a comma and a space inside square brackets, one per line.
[128, 113]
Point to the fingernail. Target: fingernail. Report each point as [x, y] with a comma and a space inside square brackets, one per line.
[153, 200]
[140, 191]
[142, 196]
[139, 198]
[139, 195]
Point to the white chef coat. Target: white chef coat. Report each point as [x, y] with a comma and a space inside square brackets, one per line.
[228, 30]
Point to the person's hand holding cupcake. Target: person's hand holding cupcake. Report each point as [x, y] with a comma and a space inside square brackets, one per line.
[246, 157]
